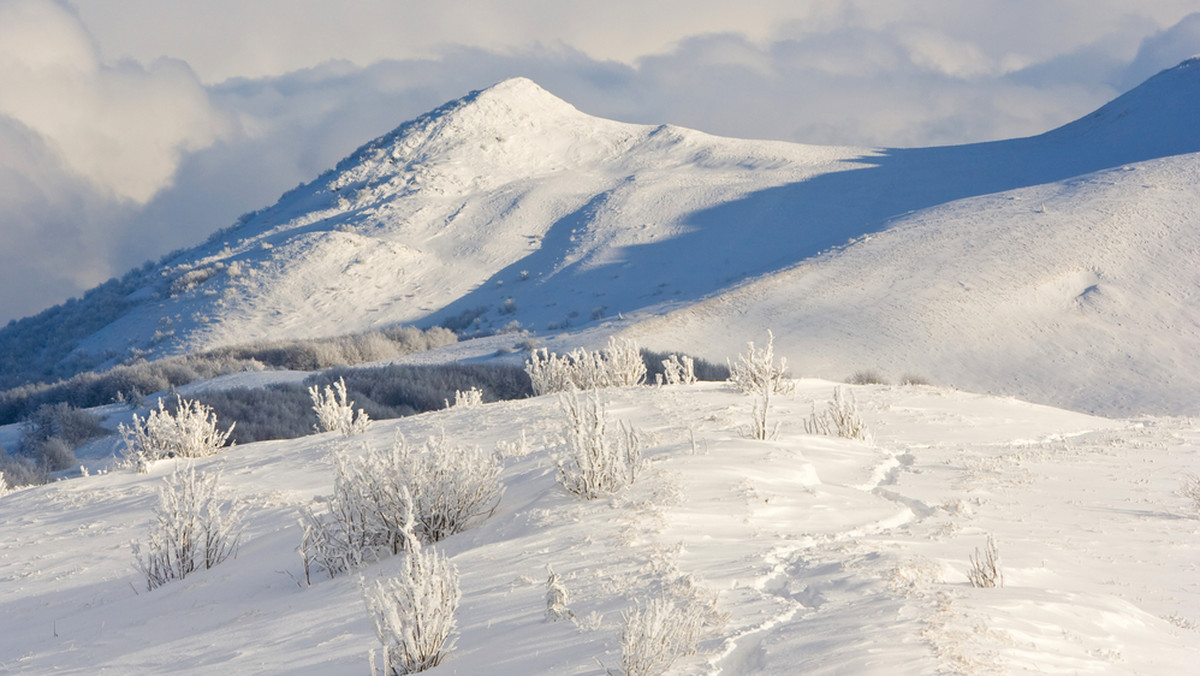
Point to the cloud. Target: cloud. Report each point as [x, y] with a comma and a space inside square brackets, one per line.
[1165, 49]
[122, 127]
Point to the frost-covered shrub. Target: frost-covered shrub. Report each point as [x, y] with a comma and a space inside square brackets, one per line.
[446, 488]
[599, 460]
[190, 432]
[557, 598]
[913, 379]
[985, 568]
[657, 634]
[414, 612]
[757, 369]
[467, 399]
[679, 370]
[453, 487]
[702, 368]
[840, 419]
[335, 413]
[194, 528]
[618, 364]
[760, 429]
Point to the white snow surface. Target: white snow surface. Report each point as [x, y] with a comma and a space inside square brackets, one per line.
[824, 555]
[1060, 268]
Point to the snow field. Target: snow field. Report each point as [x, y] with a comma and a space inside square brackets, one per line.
[823, 555]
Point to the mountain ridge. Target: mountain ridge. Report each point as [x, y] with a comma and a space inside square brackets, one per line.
[510, 205]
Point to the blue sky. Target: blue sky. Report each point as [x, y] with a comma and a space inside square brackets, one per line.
[132, 127]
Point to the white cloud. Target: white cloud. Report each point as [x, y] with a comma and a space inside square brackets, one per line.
[122, 127]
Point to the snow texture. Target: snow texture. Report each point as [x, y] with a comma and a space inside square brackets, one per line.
[822, 555]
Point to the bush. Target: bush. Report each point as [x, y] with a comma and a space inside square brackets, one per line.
[18, 471]
[656, 635]
[335, 413]
[193, 528]
[414, 612]
[557, 598]
[677, 371]
[840, 419]
[443, 489]
[470, 398]
[701, 368]
[756, 369]
[190, 432]
[599, 461]
[274, 412]
[913, 379]
[760, 429]
[284, 411]
[619, 364]
[128, 382]
[53, 431]
[452, 487]
[866, 377]
[985, 568]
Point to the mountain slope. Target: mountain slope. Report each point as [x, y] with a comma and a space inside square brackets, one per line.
[1082, 293]
[511, 206]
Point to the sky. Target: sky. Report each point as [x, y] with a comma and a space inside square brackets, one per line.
[129, 128]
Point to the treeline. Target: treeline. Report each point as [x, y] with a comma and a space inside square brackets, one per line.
[129, 382]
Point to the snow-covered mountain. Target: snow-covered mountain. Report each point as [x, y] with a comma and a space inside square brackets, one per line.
[1059, 267]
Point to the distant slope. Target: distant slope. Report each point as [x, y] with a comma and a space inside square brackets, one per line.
[1083, 293]
[511, 206]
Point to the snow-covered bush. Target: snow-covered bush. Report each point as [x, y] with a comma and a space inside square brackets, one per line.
[600, 461]
[447, 488]
[4, 488]
[840, 419]
[679, 370]
[757, 369]
[618, 364]
[194, 528]
[414, 612]
[623, 363]
[985, 567]
[557, 598]
[466, 399]
[453, 487]
[760, 429]
[190, 432]
[335, 413]
[656, 635]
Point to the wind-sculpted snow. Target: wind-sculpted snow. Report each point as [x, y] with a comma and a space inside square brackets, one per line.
[509, 208]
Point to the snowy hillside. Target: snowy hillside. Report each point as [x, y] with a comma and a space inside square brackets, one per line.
[824, 555]
[1060, 268]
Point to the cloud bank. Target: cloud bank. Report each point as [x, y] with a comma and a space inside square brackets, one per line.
[132, 127]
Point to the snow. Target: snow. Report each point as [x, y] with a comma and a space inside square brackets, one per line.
[824, 555]
[1057, 268]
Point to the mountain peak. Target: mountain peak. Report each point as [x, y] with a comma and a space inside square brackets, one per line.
[517, 100]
